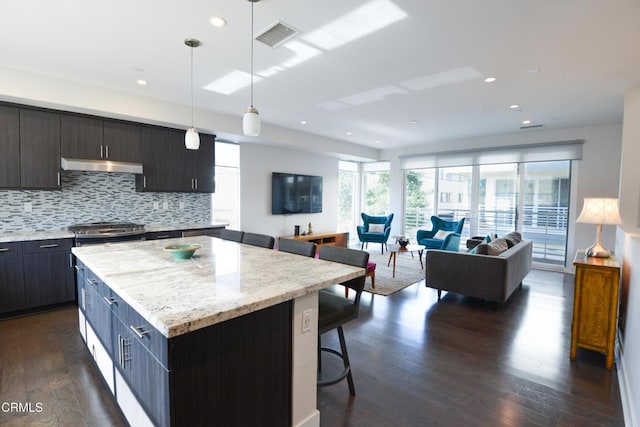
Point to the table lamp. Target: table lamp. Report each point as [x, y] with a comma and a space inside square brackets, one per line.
[599, 211]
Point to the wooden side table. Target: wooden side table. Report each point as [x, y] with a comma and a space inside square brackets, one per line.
[595, 305]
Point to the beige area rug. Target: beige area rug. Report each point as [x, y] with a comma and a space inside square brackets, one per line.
[408, 272]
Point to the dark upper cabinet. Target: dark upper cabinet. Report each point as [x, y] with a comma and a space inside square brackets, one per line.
[9, 147]
[39, 149]
[159, 157]
[204, 165]
[169, 166]
[81, 137]
[122, 141]
[97, 139]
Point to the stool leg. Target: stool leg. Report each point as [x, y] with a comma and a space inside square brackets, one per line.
[319, 354]
[373, 279]
[345, 359]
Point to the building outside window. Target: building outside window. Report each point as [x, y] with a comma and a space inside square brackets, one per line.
[348, 212]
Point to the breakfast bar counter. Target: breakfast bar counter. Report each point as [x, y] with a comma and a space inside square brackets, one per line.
[212, 340]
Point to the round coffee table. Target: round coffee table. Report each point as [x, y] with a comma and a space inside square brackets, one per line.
[394, 249]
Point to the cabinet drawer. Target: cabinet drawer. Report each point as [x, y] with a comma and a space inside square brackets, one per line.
[141, 330]
[10, 249]
[39, 246]
[157, 235]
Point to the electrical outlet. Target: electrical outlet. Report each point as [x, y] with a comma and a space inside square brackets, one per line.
[165, 205]
[27, 207]
[306, 320]
[181, 205]
[156, 205]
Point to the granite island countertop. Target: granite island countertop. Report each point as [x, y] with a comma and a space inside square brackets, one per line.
[222, 281]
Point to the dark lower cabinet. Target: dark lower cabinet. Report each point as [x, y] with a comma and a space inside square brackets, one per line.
[11, 282]
[48, 272]
[159, 235]
[145, 375]
[234, 373]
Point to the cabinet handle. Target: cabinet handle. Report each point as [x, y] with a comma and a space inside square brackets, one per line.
[123, 356]
[106, 151]
[59, 183]
[139, 331]
[110, 301]
[78, 268]
[83, 298]
[52, 245]
[100, 150]
[70, 260]
[144, 181]
[164, 236]
[196, 180]
[92, 281]
[4, 249]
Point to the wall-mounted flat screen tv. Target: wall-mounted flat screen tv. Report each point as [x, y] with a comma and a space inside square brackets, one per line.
[294, 193]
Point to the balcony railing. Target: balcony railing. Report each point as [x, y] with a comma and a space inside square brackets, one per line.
[545, 226]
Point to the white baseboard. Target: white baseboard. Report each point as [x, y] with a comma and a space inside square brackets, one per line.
[626, 396]
[312, 421]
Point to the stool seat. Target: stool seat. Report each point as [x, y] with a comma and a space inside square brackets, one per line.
[371, 267]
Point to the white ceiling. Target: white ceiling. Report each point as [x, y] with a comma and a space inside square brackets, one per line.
[427, 67]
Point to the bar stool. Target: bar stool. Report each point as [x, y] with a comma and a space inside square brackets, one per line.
[335, 310]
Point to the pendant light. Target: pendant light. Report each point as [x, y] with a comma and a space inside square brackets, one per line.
[251, 119]
[191, 138]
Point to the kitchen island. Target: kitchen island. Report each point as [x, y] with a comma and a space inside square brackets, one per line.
[213, 340]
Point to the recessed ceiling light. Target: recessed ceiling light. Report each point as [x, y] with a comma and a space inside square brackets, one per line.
[378, 141]
[141, 82]
[514, 106]
[218, 21]
[303, 122]
[413, 122]
[490, 80]
[526, 122]
[349, 133]
[532, 70]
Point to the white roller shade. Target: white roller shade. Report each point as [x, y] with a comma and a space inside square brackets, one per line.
[553, 151]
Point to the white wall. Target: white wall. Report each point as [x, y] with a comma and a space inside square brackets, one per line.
[628, 252]
[596, 175]
[257, 162]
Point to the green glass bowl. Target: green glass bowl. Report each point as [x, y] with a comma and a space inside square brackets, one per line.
[182, 251]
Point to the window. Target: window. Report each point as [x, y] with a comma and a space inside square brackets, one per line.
[225, 203]
[419, 199]
[348, 216]
[375, 188]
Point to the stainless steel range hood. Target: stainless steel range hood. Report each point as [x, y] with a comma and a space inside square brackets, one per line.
[99, 166]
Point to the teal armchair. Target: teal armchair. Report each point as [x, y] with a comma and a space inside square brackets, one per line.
[366, 235]
[430, 240]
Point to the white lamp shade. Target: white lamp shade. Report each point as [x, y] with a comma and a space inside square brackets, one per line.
[251, 122]
[600, 211]
[192, 139]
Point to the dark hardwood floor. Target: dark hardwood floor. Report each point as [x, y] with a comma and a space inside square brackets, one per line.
[415, 362]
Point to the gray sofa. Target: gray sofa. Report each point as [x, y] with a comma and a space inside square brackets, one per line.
[488, 277]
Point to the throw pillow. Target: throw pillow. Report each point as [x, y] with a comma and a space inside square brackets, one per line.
[376, 228]
[441, 234]
[515, 236]
[494, 248]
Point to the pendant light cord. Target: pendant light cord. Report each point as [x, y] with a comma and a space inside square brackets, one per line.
[191, 87]
[252, 54]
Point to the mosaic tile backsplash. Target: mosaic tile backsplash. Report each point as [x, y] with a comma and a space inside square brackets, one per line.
[98, 196]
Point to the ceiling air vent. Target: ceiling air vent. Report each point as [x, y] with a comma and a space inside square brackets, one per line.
[276, 34]
[531, 126]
